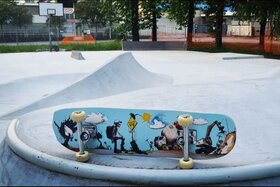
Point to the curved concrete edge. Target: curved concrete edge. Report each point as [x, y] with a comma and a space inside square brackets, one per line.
[139, 176]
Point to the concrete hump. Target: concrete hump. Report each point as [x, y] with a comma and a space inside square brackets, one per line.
[122, 74]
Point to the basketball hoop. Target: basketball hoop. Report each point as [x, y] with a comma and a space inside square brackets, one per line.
[51, 9]
[51, 12]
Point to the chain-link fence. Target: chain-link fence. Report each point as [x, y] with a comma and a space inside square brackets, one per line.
[234, 36]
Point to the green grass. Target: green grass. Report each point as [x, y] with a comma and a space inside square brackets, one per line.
[98, 46]
[21, 48]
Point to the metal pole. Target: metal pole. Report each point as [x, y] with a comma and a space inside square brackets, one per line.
[50, 37]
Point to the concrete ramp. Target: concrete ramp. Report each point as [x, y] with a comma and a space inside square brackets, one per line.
[20, 92]
[122, 74]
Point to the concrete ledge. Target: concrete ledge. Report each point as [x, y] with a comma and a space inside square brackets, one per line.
[140, 176]
[77, 55]
[161, 45]
[243, 57]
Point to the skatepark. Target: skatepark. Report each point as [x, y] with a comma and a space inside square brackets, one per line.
[34, 85]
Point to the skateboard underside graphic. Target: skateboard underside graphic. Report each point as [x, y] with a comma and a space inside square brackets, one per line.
[139, 131]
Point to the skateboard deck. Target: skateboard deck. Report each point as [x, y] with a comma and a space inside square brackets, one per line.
[138, 131]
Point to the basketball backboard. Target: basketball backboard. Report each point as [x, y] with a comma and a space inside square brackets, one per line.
[53, 9]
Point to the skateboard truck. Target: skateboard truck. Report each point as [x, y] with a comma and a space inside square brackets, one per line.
[185, 121]
[78, 117]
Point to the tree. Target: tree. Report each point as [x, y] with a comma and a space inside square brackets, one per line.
[20, 17]
[123, 17]
[109, 12]
[127, 17]
[151, 11]
[259, 10]
[6, 13]
[276, 23]
[182, 12]
[190, 21]
[135, 20]
[216, 8]
[99, 13]
[90, 13]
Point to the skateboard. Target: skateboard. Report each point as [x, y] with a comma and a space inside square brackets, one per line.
[145, 132]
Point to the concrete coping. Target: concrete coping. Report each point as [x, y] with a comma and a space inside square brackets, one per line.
[139, 176]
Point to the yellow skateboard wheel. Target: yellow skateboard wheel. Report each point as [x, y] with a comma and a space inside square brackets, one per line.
[185, 120]
[78, 116]
[186, 164]
[84, 157]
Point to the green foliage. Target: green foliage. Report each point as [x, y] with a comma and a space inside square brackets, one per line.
[215, 7]
[276, 23]
[148, 8]
[21, 16]
[90, 12]
[6, 11]
[119, 12]
[109, 11]
[100, 46]
[258, 10]
[14, 14]
[123, 16]
[178, 11]
[21, 48]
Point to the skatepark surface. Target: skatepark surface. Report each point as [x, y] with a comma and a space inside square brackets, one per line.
[34, 85]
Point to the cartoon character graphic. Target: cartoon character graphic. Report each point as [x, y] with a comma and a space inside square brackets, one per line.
[132, 123]
[150, 143]
[224, 144]
[171, 138]
[90, 127]
[66, 129]
[114, 135]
